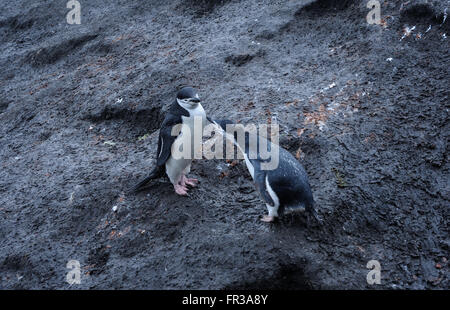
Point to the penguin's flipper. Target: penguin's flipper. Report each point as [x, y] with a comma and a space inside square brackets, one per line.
[165, 142]
[166, 139]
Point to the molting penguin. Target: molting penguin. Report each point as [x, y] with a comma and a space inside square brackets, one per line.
[184, 110]
[284, 187]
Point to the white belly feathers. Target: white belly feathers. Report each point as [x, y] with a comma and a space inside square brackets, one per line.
[175, 167]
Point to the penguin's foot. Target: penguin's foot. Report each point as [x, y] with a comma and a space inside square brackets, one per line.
[180, 189]
[268, 218]
[190, 182]
[186, 181]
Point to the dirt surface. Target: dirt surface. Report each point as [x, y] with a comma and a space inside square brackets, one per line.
[363, 109]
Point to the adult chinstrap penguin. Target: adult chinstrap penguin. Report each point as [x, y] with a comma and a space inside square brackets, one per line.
[186, 110]
[286, 186]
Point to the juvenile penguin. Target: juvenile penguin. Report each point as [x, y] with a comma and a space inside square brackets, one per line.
[185, 110]
[283, 187]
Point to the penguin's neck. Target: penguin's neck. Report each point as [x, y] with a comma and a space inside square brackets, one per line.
[196, 110]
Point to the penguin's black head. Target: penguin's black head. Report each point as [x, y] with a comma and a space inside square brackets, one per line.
[188, 97]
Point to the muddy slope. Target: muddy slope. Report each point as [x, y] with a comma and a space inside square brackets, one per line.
[363, 107]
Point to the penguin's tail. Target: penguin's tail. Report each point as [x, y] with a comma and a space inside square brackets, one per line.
[144, 182]
[313, 213]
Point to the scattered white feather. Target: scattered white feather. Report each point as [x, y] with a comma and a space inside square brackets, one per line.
[407, 32]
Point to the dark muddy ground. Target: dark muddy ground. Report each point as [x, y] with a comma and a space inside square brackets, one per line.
[364, 110]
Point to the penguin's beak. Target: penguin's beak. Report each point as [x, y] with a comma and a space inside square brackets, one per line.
[194, 100]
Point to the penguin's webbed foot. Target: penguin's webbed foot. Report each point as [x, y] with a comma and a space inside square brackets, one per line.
[268, 219]
[180, 190]
[187, 181]
[191, 182]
